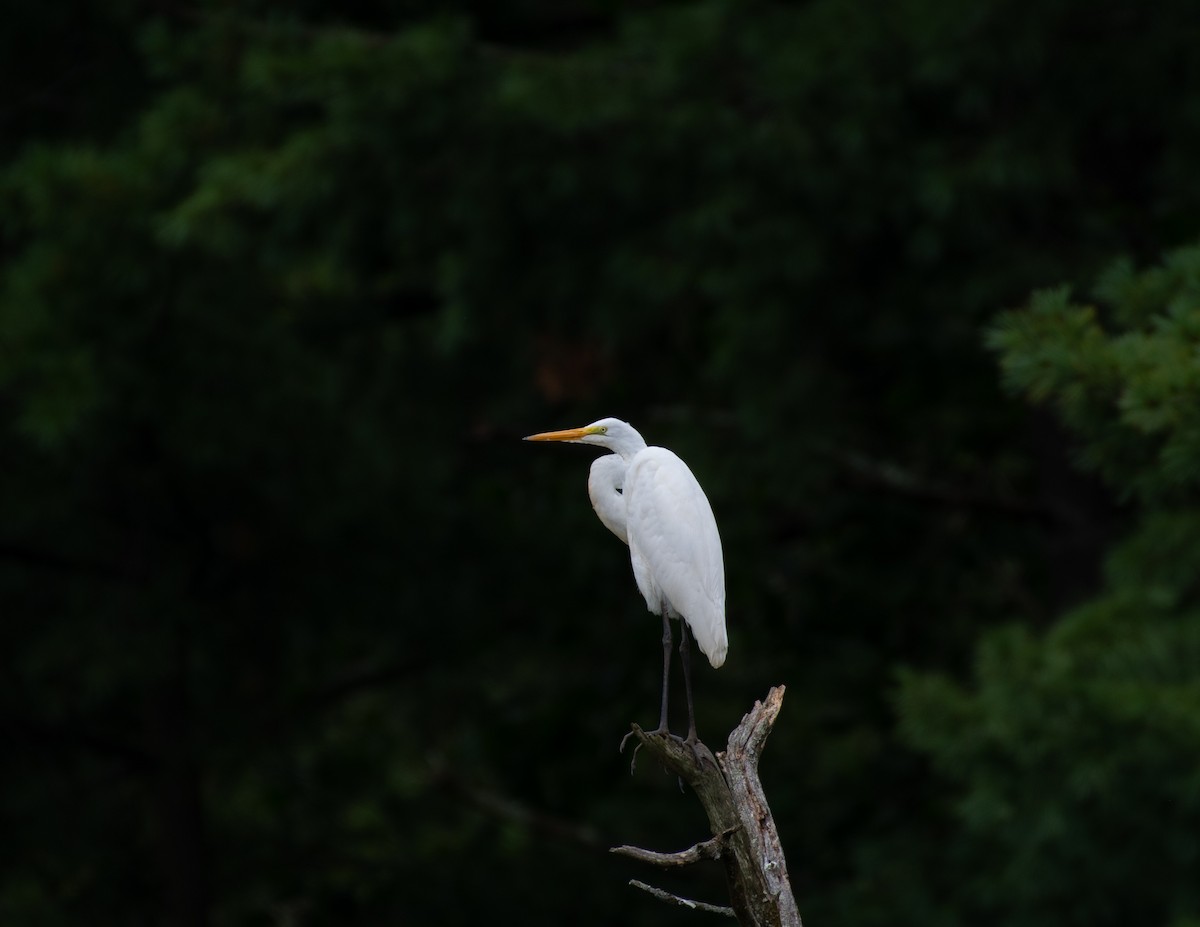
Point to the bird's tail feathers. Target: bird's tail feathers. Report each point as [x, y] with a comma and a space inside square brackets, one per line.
[713, 646]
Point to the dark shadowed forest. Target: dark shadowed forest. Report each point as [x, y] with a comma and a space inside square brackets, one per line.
[295, 630]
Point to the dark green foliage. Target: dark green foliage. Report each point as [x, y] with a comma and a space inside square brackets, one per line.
[1072, 754]
[1132, 393]
[280, 294]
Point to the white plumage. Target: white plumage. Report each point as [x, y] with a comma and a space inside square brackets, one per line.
[675, 547]
[650, 499]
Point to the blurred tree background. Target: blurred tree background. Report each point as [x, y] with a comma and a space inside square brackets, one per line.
[296, 631]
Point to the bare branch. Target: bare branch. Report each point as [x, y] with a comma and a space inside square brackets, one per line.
[76, 735]
[508, 808]
[887, 476]
[52, 560]
[682, 902]
[707, 849]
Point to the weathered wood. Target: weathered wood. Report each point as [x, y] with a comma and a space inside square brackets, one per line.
[765, 853]
[682, 902]
[707, 849]
[738, 815]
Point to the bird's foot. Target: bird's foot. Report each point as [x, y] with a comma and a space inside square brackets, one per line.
[699, 750]
[636, 731]
[633, 761]
[664, 732]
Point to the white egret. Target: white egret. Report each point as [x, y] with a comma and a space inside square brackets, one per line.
[649, 498]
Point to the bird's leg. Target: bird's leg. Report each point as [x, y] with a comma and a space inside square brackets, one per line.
[685, 657]
[662, 718]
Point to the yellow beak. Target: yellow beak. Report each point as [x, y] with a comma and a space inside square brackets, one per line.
[571, 434]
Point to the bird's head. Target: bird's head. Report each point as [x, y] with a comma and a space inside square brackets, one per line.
[612, 433]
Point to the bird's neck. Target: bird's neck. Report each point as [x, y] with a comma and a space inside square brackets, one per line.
[627, 445]
[605, 484]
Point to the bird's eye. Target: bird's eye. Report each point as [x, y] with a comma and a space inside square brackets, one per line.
[602, 430]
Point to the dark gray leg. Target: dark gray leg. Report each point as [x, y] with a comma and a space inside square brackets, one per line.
[685, 655]
[662, 718]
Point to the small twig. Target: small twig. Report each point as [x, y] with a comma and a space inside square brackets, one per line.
[887, 476]
[47, 559]
[507, 808]
[76, 735]
[707, 849]
[682, 902]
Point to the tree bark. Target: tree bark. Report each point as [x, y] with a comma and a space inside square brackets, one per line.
[744, 835]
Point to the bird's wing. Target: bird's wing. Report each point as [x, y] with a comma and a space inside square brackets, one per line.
[673, 532]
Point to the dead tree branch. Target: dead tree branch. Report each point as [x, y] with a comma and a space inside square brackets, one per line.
[744, 834]
[708, 849]
[507, 808]
[682, 902]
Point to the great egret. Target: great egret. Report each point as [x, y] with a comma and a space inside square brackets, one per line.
[649, 498]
